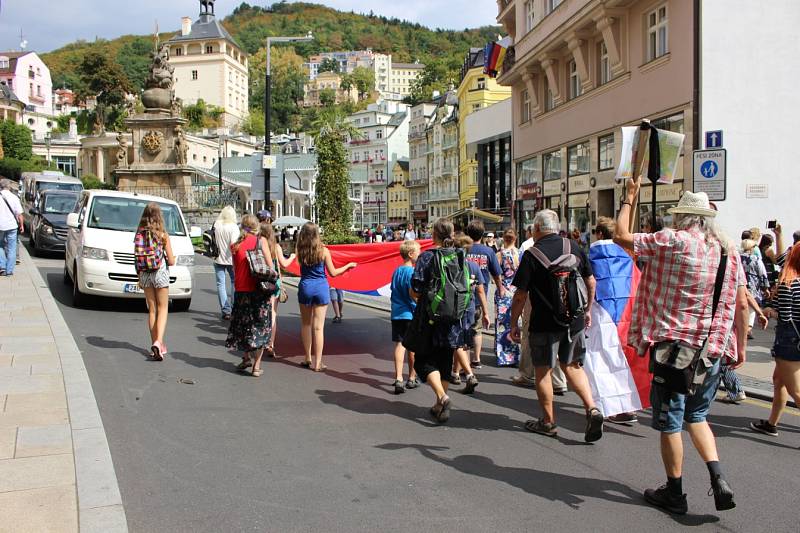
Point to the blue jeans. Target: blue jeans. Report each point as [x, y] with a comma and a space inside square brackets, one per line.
[8, 250]
[225, 298]
[671, 409]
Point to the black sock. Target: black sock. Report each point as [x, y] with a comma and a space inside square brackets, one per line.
[714, 469]
[675, 485]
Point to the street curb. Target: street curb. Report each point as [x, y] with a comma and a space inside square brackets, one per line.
[99, 500]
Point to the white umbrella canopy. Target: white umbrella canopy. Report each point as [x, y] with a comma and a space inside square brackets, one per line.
[289, 221]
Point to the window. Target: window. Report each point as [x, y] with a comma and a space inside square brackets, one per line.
[551, 166]
[30, 72]
[551, 5]
[209, 49]
[605, 152]
[481, 84]
[379, 134]
[549, 100]
[578, 159]
[475, 107]
[657, 43]
[38, 90]
[529, 15]
[179, 51]
[528, 171]
[605, 65]
[525, 112]
[194, 74]
[670, 123]
[4, 62]
[574, 80]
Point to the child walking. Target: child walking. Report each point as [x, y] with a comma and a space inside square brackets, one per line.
[403, 306]
[153, 253]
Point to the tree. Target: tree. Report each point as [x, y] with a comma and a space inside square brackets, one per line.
[16, 140]
[332, 199]
[328, 64]
[134, 59]
[103, 78]
[327, 97]
[201, 115]
[253, 123]
[364, 81]
[287, 85]
[436, 76]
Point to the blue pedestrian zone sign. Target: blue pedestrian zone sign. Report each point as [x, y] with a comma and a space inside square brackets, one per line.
[709, 173]
[714, 139]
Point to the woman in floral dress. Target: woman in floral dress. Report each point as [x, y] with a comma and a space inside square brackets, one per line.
[507, 351]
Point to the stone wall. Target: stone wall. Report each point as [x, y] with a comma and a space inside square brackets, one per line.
[201, 217]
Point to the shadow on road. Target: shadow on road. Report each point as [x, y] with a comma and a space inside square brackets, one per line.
[102, 342]
[738, 427]
[63, 295]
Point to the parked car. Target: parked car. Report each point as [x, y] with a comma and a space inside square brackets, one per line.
[33, 184]
[99, 259]
[48, 221]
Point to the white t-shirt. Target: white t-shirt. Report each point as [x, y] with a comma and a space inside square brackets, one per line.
[410, 235]
[225, 235]
[8, 220]
[526, 244]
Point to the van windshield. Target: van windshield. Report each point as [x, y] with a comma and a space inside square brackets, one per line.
[123, 214]
[57, 185]
[60, 203]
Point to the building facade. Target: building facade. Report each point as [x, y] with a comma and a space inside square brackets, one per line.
[476, 91]
[383, 128]
[348, 61]
[442, 158]
[11, 107]
[581, 69]
[210, 66]
[398, 194]
[403, 75]
[327, 81]
[29, 78]
[418, 162]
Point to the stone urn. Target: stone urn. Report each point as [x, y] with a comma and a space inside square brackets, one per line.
[157, 98]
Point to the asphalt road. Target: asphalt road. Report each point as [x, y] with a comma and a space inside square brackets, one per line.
[300, 451]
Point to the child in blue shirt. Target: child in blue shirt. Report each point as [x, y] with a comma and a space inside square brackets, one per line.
[403, 306]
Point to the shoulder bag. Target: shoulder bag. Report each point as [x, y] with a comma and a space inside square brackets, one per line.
[265, 275]
[678, 367]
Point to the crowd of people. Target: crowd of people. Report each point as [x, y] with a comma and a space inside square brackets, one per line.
[698, 298]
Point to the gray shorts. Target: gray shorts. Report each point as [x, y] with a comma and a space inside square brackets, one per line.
[550, 348]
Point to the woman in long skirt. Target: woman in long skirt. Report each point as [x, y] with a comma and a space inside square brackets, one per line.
[507, 351]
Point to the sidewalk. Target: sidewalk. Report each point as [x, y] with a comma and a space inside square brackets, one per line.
[755, 375]
[56, 472]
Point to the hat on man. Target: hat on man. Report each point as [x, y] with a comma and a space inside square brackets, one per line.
[263, 215]
[693, 203]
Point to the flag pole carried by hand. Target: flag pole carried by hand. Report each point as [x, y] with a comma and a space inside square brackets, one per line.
[639, 160]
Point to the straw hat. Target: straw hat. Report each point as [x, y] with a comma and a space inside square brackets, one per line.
[693, 203]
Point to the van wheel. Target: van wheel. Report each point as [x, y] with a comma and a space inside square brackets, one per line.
[78, 298]
[181, 305]
[67, 280]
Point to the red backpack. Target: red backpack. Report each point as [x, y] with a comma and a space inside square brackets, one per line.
[148, 250]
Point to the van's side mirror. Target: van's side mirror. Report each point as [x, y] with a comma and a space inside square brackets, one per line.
[195, 231]
[33, 211]
[73, 220]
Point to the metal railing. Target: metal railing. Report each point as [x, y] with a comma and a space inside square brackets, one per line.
[194, 197]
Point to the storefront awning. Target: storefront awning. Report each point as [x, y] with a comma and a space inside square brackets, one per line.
[475, 213]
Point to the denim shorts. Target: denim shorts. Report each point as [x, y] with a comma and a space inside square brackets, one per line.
[787, 343]
[671, 409]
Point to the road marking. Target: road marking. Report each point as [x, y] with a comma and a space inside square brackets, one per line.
[767, 405]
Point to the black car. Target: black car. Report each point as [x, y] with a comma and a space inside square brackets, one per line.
[49, 220]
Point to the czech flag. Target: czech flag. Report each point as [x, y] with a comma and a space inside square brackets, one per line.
[376, 264]
[620, 379]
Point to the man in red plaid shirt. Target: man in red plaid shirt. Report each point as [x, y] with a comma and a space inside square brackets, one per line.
[674, 303]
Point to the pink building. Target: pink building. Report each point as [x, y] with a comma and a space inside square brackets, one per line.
[581, 69]
[29, 78]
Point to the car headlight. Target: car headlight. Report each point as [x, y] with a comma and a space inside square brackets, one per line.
[94, 253]
[48, 229]
[185, 260]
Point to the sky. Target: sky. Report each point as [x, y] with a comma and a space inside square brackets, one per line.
[50, 24]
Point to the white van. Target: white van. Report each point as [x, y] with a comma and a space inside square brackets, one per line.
[33, 184]
[99, 258]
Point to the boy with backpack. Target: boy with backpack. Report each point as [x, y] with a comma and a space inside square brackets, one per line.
[557, 275]
[403, 307]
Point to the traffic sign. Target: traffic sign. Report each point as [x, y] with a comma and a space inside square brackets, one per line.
[714, 139]
[709, 173]
[269, 162]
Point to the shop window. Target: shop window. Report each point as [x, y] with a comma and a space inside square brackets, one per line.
[551, 166]
[605, 152]
[578, 159]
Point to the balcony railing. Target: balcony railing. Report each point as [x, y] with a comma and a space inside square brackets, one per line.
[447, 195]
[447, 170]
[416, 135]
[449, 143]
[417, 182]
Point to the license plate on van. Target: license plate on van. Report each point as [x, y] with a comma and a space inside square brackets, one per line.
[132, 288]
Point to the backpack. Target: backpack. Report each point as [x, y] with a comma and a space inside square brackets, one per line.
[450, 291]
[148, 251]
[566, 295]
[210, 242]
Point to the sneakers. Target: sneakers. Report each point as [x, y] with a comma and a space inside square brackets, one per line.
[398, 387]
[537, 425]
[522, 381]
[723, 494]
[623, 418]
[475, 364]
[594, 425]
[441, 409]
[763, 426]
[472, 382]
[412, 383]
[740, 396]
[455, 379]
[663, 498]
[559, 392]
[337, 320]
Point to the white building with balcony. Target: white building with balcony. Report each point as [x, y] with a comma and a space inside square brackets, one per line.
[29, 78]
[418, 161]
[384, 138]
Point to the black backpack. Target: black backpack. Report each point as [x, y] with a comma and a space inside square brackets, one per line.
[210, 242]
[450, 291]
[566, 295]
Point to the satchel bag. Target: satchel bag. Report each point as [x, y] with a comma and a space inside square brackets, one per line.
[259, 268]
[678, 367]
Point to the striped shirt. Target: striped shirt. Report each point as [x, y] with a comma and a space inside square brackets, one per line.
[789, 302]
[675, 295]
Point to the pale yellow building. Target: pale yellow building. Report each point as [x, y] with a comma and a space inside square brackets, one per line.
[399, 207]
[403, 75]
[475, 91]
[330, 81]
[210, 66]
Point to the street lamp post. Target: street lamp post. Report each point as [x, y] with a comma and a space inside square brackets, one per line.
[267, 107]
[47, 138]
[220, 154]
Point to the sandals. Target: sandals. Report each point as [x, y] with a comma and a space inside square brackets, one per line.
[441, 409]
[306, 364]
[323, 368]
[257, 372]
[244, 365]
[158, 351]
[537, 425]
[269, 352]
